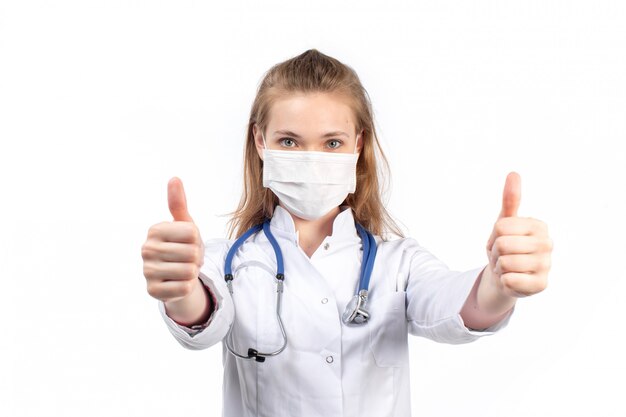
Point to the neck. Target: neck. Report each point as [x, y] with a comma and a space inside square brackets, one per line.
[312, 232]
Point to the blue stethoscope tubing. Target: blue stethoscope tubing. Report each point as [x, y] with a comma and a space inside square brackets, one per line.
[369, 254]
[355, 311]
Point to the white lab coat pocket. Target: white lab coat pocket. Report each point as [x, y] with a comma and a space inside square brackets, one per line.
[388, 329]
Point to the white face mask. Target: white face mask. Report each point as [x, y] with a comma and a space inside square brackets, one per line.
[309, 183]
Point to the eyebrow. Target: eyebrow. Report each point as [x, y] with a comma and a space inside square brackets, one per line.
[326, 135]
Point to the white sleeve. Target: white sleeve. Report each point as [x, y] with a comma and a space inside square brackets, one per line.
[212, 276]
[435, 297]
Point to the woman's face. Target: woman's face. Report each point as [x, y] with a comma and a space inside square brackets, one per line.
[310, 122]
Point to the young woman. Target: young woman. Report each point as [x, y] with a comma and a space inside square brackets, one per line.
[312, 300]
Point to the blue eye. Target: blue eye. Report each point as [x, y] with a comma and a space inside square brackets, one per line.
[338, 142]
[289, 142]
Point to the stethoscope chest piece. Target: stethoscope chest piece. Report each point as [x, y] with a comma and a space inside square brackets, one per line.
[355, 312]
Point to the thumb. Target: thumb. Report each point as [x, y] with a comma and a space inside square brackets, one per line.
[177, 201]
[511, 195]
[510, 203]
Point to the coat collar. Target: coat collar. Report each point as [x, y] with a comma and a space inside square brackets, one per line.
[343, 225]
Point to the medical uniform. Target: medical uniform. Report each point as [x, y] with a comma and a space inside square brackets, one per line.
[329, 368]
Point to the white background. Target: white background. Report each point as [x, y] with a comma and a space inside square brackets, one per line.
[101, 102]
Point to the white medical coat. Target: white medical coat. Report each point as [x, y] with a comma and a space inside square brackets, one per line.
[328, 368]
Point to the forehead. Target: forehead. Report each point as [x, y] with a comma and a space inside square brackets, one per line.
[310, 113]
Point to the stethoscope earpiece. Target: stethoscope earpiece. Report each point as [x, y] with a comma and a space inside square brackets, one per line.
[254, 354]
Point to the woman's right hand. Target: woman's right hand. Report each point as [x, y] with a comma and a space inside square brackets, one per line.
[173, 252]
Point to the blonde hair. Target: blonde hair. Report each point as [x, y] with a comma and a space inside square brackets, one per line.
[313, 71]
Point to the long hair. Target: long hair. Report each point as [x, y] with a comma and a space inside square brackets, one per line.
[313, 71]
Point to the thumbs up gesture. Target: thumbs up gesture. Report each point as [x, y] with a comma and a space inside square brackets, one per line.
[519, 248]
[173, 252]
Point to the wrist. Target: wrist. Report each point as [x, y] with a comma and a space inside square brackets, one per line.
[491, 297]
[195, 308]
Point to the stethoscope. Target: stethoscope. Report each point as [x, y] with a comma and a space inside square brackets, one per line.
[355, 312]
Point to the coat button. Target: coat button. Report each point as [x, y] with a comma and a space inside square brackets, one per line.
[324, 300]
[326, 246]
[329, 359]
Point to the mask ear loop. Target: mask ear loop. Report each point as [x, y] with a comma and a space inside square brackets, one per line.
[355, 143]
[263, 136]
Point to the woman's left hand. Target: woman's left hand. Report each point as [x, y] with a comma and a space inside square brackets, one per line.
[519, 248]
